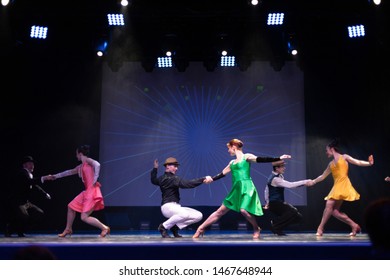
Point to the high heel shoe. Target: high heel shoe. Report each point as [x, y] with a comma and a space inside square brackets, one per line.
[319, 232]
[355, 230]
[105, 232]
[256, 234]
[199, 233]
[65, 233]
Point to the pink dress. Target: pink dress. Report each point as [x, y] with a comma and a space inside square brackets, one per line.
[91, 198]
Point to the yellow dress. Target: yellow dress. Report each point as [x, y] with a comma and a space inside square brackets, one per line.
[342, 188]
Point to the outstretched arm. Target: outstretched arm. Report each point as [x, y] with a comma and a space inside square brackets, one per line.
[253, 158]
[66, 173]
[222, 174]
[358, 162]
[323, 175]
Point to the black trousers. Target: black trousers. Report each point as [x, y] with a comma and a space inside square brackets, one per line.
[285, 213]
[22, 217]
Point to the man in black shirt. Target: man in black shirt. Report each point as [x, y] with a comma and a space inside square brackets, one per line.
[178, 217]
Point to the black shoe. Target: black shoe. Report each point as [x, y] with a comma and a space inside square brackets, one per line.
[277, 232]
[163, 231]
[175, 231]
[7, 232]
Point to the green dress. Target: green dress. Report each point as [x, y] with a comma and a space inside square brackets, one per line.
[243, 194]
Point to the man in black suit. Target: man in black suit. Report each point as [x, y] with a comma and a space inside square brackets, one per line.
[21, 211]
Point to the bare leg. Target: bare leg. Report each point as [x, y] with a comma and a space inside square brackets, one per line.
[69, 223]
[328, 211]
[70, 218]
[86, 218]
[215, 216]
[345, 219]
[252, 220]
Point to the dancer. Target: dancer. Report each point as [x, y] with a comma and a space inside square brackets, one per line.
[178, 217]
[243, 197]
[91, 198]
[342, 189]
[21, 211]
[286, 214]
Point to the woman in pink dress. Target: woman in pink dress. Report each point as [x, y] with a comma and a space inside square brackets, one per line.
[91, 198]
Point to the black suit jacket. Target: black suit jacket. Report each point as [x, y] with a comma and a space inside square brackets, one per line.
[22, 187]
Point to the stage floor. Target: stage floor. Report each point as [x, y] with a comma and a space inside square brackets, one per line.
[213, 245]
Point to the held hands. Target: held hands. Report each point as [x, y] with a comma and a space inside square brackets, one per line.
[371, 159]
[285, 157]
[49, 178]
[266, 206]
[387, 179]
[310, 183]
[208, 180]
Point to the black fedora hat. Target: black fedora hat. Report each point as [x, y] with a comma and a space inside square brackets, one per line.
[28, 159]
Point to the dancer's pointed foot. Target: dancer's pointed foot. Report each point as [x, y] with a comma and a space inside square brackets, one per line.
[65, 233]
[106, 231]
[199, 233]
[256, 233]
[355, 230]
[320, 232]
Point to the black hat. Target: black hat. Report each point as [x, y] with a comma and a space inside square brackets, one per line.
[28, 159]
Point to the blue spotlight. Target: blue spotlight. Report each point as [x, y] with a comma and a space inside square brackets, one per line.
[38, 32]
[164, 62]
[116, 19]
[101, 48]
[275, 19]
[228, 61]
[356, 31]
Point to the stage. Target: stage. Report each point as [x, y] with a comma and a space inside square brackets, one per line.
[214, 245]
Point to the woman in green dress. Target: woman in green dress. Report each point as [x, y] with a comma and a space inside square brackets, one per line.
[243, 197]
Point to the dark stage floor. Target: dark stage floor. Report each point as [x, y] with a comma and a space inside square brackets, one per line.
[217, 244]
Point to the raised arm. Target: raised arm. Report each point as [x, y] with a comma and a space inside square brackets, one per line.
[358, 162]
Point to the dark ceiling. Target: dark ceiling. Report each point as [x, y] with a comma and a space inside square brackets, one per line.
[196, 28]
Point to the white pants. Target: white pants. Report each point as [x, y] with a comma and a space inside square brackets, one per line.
[180, 216]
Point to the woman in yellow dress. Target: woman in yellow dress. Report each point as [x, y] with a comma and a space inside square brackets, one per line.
[342, 189]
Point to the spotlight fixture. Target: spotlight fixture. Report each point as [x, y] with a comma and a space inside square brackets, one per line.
[164, 62]
[228, 61]
[38, 32]
[275, 19]
[101, 48]
[292, 45]
[116, 20]
[5, 2]
[356, 31]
